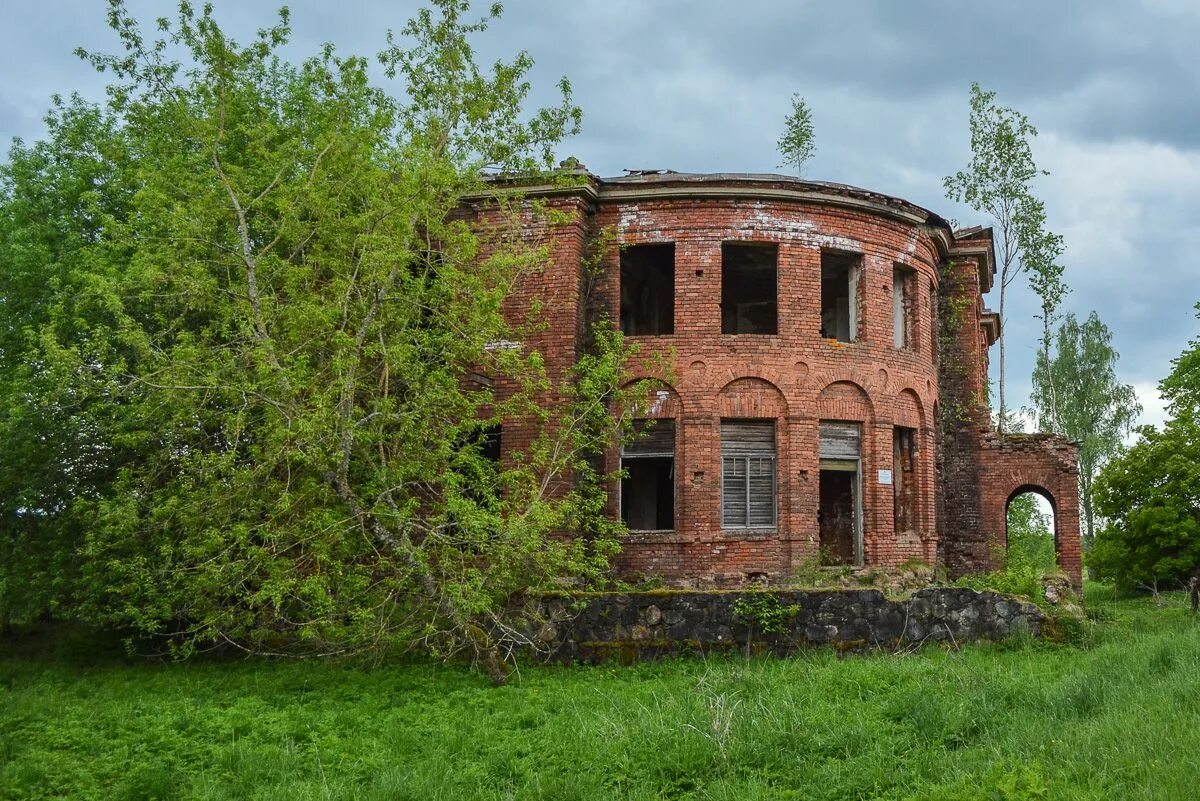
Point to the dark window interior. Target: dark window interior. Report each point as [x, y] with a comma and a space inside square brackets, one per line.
[490, 443]
[749, 288]
[839, 312]
[648, 289]
[648, 494]
[648, 486]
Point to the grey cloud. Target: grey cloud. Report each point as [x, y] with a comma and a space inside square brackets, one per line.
[704, 86]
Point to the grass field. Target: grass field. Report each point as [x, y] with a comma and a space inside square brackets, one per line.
[1119, 719]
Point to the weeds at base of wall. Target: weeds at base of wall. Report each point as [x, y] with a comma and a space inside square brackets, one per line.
[764, 612]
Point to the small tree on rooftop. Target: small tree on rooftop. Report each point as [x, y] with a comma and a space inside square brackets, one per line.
[797, 145]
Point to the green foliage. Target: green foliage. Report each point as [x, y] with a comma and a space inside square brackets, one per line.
[1077, 394]
[1150, 494]
[796, 145]
[1151, 497]
[999, 182]
[764, 611]
[1030, 536]
[984, 722]
[1021, 579]
[241, 317]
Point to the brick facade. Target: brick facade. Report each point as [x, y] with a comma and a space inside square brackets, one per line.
[961, 475]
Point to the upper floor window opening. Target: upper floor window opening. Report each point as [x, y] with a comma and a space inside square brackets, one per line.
[904, 299]
[648, 289]
[749, 288]
[839, 296]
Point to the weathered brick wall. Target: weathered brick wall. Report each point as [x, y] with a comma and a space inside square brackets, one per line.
[937, 386]
[1011, 464]
[794, 377]
[963, 417]
[555, 289]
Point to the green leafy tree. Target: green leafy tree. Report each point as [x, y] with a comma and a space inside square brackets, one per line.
[240, 315]
[999, 182]
[1085, 402]
[1150, 494]
[797, 145]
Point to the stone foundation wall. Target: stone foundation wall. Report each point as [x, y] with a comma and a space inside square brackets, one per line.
[646, 625]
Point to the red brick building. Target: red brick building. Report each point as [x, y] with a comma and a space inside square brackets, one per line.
[825, 388]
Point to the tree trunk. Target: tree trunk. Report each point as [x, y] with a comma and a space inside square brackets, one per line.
[1003, 324]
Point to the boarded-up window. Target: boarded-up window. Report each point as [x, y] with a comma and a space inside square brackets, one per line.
[840, 440]
[648, 486]
[747, 473]
[749, 288]
[839, 296]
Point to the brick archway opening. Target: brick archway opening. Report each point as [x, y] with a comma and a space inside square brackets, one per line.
[1012, 464]
[1031, 533]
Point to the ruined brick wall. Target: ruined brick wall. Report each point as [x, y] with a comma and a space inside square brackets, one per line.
[555, 289]
[963, 417]
[937, 385]
[1011, 464]
[795, 377]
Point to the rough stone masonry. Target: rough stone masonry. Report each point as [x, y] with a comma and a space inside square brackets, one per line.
[644, 625]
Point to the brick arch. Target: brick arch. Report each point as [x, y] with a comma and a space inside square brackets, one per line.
[909, 411]
[751, 397]
[845, 400]
[1043, 463]
[745, 372]
[661, 399]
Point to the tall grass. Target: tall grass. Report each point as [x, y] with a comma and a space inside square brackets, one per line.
[1009, 721]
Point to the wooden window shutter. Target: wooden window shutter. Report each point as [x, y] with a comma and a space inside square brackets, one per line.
[651, 438]
[748, 473]
[840, 440]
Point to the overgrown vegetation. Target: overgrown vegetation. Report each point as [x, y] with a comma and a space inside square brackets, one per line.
[1077, 394]
[251, 355]
[1150, 494]
[1011, 721]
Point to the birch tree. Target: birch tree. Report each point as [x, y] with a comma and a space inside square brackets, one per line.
[1085, 402]
[999, 182]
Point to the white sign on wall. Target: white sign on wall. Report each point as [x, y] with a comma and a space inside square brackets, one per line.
[885, 476]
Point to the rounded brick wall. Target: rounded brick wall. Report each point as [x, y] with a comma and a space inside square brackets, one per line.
[795, 377]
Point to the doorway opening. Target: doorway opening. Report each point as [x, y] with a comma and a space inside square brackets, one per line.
[838, 513]
[1030, 527]
[839, 507]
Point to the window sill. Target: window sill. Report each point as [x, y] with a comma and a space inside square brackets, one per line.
[757, 531]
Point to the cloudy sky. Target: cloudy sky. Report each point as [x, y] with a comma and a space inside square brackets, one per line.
[1113, 85]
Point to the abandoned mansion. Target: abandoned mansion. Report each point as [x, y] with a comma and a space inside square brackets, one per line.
[824, 393]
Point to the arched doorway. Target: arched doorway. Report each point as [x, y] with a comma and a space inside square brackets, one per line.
[1030, 533]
